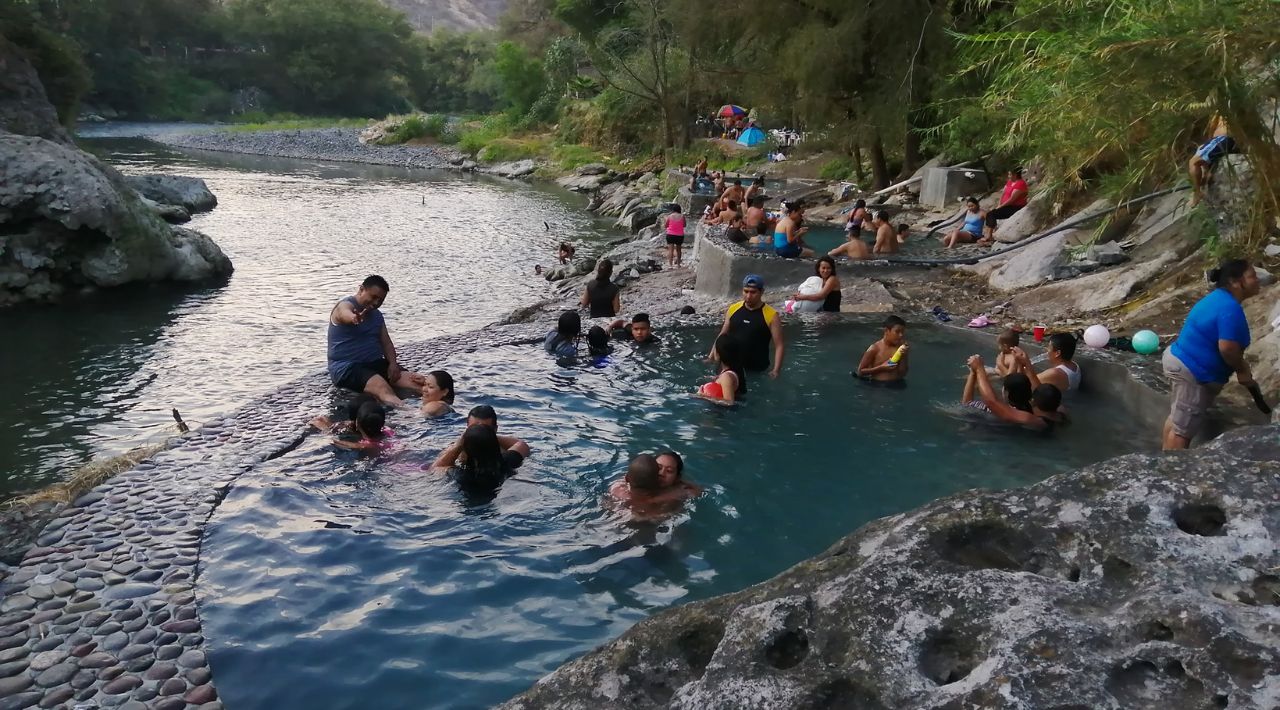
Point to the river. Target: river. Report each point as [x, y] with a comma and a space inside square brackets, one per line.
[98, 374]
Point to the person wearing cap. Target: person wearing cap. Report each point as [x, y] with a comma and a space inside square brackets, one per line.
[754, 324]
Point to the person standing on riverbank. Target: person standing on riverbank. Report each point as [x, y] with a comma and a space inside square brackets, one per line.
[674, 226]
[360, 352]
[754, 324]
[1208, 350]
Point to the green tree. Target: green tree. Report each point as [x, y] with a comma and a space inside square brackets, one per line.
[336, 56]
[1126, 87]
[520, 75]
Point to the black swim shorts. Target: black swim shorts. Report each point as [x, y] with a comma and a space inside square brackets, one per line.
[360, 373]
[675, 239]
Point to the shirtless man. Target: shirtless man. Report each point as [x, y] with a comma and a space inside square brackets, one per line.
[877, 362]
[728, 213]
[734, 193]
[886, 236]
[755, 221]
[361, 355]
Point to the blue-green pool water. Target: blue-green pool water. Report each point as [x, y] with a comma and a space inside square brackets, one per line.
[342, 582]
[823, 239]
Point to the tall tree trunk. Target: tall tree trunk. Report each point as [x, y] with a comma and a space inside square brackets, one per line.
[879, 166]
[858, 171]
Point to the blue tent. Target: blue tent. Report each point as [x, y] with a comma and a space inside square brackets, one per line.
[751, 137]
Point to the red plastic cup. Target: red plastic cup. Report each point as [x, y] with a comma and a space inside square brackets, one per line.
[1038, 333]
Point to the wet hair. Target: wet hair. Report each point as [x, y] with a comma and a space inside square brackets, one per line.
[892, 322]
[679, 461]
[445, 381]
[642, 473]
[860, 204]
[731, 204]
[1010, 337]
[484, 412]
[792, 205]
[351, 408]
[737, 182]
[597, 341]
[604, 271]
[1228, 271]
[904, 227]
[675, 207]
[484, 465]
[1047, 398]
[373, 280]
[817, 267]
[569, 326]
[369, 420]
[882, 215]
[1017, 391]
[729, 350]
[640, 318]
[758, 181]
[1064, 343]
[758, 201]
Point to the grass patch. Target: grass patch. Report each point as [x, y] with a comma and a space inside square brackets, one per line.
[836, 169]
[569, 156]
[502, 150]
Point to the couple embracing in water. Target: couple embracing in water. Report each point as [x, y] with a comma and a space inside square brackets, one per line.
[654, 486]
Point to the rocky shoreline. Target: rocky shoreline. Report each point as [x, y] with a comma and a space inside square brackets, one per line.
[335, 144]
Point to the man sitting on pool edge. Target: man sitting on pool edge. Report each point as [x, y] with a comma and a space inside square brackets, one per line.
[360, 352]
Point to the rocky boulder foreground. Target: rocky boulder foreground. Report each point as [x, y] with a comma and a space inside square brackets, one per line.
[1147, 581]
[68, 221]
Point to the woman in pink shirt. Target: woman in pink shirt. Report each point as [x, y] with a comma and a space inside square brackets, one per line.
[675, 235]
[1013, 199]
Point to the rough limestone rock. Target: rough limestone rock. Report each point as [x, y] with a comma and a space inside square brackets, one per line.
[1148, 582]
[865, 296]
[173, 214]
[1031, 265]
[70, 221]
[583, 183]
[516, 169]
[1026, 221]
[189, 193]
[1230, 195]
[1095, 292]
[591, 169]
[24, 107]
[1164, 218]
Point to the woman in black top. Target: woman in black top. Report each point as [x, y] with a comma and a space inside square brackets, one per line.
[601, 294]
[830, 293]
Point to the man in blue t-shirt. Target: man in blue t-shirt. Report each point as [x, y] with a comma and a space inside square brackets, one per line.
[1208, 350]
[361, 355]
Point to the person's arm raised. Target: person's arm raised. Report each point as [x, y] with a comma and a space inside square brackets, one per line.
[999, 407]
[346, 313]
[448, 457]
[1025, 367]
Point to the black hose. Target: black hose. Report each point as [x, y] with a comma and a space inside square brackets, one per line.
[1069, 224]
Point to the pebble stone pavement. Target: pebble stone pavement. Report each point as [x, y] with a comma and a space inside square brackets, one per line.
[104, 610]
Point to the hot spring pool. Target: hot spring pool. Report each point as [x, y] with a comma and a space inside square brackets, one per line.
[334, 581]
[823, 239]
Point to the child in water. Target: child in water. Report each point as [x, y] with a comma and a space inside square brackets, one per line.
[641, 490]
[891, 352]
[1007, 358]
[366, 418]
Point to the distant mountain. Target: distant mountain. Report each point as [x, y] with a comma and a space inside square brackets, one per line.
[428, 15]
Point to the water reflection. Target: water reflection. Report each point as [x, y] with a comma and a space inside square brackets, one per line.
[96, 375]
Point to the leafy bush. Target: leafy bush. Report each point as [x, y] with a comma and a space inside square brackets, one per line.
[836, 169]
[501, 150]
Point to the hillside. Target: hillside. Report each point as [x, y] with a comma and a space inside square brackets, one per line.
[428, 15]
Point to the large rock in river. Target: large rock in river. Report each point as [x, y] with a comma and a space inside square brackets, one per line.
[1148, 582]
[69, 221]
[189, 193]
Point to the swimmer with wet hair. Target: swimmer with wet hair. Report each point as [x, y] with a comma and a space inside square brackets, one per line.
[476, 460]
[437, 394]
[671, 477]
[366, 417]
[598, 342]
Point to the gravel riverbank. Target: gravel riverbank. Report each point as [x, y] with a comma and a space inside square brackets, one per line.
[337, 144]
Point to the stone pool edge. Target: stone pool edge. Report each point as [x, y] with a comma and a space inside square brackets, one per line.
[105, 607]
